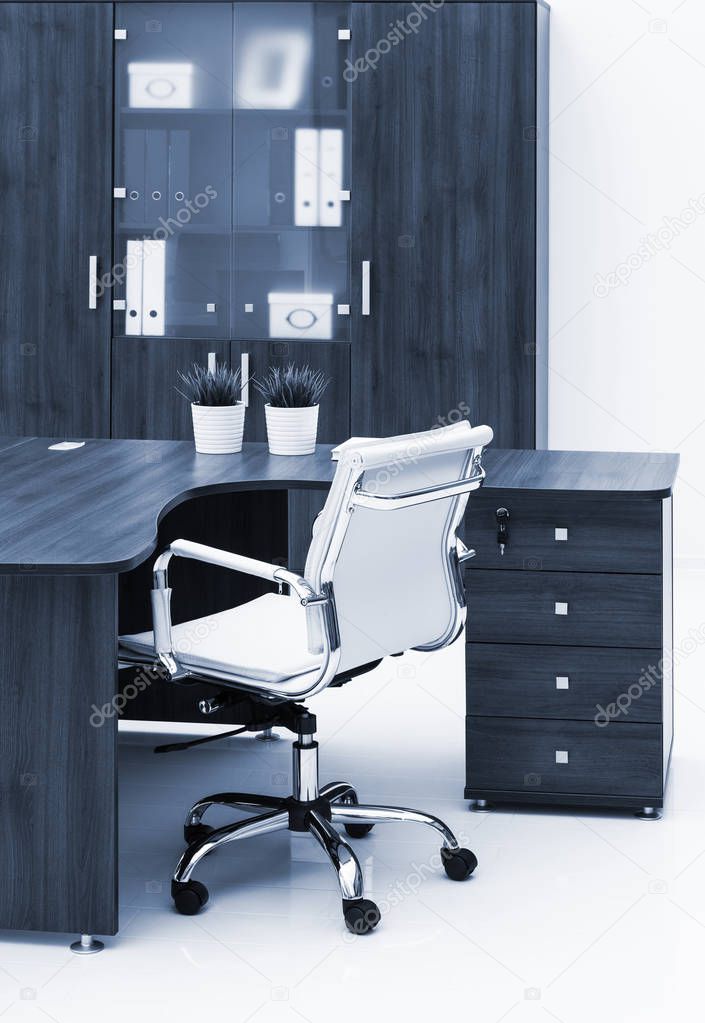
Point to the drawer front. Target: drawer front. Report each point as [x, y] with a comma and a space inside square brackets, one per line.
[574, 609]
[565, 532]
[581, 683]
[515, 755]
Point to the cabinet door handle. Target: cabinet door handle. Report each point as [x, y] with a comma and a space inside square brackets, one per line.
[365, 287]
[92, 282]
[245, 378]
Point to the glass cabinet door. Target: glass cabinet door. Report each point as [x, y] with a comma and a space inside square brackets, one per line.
[173, 169]
[291, 141]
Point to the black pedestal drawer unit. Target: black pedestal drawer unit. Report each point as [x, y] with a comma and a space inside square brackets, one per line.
[569, 636]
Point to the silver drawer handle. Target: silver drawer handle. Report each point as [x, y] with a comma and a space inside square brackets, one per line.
[365, 287]
[560, 534]
[245, 378]
[92, 282]
[560, 608]
[562, 682]
[561, 756]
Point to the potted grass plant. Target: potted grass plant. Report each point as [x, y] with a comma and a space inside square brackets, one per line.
[292, 395]
[217, 411]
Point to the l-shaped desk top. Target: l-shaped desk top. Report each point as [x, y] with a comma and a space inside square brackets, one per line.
[96, 508]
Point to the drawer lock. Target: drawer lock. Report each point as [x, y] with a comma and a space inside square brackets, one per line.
[502, 517]
[560, 534]
[560, 608]
[562, 682]
[561, 756]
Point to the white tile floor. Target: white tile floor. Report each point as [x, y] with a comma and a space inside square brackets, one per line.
[570, 917]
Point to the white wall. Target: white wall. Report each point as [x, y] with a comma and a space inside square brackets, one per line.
[627, 142]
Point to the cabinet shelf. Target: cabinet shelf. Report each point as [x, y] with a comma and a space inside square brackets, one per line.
[289, 112]
[230, 111]
[280, 228]
[149, 229]
[175, 111]
[224, 339]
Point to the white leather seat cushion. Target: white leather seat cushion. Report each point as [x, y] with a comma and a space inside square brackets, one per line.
[265, 640]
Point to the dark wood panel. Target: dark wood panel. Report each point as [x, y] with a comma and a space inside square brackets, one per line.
[97, 508]
[55, 183]
[58, 767]
[506, 680]
[603, 610]
[252, 524]
[445, 210]
[333, 422]
[619, 535]
[520, 755]
[146, 403]
[606, 473]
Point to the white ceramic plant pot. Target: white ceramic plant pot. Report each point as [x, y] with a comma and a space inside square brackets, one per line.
[291, 431]
[218, 429]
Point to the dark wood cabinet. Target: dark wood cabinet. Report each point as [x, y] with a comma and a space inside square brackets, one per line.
[449, 209]
[444, 197]
[570, 630]
[55, 184]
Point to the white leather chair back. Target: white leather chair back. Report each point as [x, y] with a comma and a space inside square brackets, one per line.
[393, 572]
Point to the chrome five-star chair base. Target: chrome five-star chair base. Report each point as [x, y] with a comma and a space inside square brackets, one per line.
[315, 811]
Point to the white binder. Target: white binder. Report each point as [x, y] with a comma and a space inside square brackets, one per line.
[330, 177]
[153, 286]
[133, 288]
[306, 166]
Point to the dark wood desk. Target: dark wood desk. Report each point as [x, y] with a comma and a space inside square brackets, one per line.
[72, 523]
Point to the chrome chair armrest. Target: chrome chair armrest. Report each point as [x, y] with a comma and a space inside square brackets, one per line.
[411, 498]
[161, 591]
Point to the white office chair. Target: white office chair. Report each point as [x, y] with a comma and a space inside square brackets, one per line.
[382, 576]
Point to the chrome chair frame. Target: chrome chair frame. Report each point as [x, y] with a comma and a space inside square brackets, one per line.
[310, 808]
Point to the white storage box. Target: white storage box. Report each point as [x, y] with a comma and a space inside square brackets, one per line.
[300, 315]
[160, 85]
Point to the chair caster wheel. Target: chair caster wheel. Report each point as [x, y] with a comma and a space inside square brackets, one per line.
[195, 832]
[361, 915]
[458, 863]
[189, 897]
[358, 830]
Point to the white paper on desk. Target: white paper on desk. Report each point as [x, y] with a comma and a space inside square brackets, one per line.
[154, 287]
[306, 177]
[330, 177]
[133, 287]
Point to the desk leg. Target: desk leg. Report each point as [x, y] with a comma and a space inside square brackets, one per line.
[58, 771]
